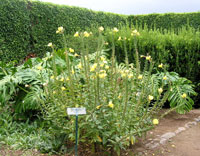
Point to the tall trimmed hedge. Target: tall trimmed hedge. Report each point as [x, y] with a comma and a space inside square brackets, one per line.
[14, 29]
[167, 20]
[27, 26]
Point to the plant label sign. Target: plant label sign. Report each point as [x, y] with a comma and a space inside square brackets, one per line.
[76, 111]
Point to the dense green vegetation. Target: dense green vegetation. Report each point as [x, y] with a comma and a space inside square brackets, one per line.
[34, 24]
[167, 20]
[123, 77]
[122, 99]
[180, 50]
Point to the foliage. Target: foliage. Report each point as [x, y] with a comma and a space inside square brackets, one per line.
[178, 50]
[113, 94]
[166, 20]
[34, 23]
[15, 30]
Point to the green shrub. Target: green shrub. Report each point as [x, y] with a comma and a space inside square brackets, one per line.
[167, 20]
[15, 30]
[121, 99]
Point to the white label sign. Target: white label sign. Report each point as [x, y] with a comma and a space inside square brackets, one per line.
[76, 111]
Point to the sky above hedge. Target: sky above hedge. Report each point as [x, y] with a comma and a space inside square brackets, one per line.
[134, 6]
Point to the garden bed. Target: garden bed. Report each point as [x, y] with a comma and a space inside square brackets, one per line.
[181, 144]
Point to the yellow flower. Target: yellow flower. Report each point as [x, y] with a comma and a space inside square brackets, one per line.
[67, 79]
[60, 30]
[142, 56]
[160, 65]
[160, 90]
[150, 97]
[102, 64]
[54, 92]
[80, 66]
[120, 96]
[98, 107]
[140, 77]
[62, 79]
[76, 34]
[86, 34]
[102, 75]
[184, 95]
[106, 43]
[110, 104]
[101, 29]
[132, 140]
[93, 67]
[115, 30]
[107, 67]
[135, 33]
[127, 71]
[123, 74]
[73, 71]
[52, 77]
[71, 50]
[165, 78]
[148, 58]
[63, 88]
[99, 138]
[102, 58]
[50, 45]
[155, 121]
[39, 67]
[119, 39]
[130, 76]
[76, 54]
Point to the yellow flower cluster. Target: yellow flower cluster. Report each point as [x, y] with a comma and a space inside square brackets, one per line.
[140, 77]
[94, 66]
[50, 45]
[120, 38]
[79, 66]
[155, 121]
[135, 33]
[102, 74]
[160, 65]
[165, 78]
[160, 90]
[86, 34]
[76, 34]
[101, 28]
[71, 50]
[110, 104]
[39, 67]
[148, 58]
[184, 95]
[115, 30]
[60, 30]
[150, 97]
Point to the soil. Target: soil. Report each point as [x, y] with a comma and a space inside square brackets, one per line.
[186, 143]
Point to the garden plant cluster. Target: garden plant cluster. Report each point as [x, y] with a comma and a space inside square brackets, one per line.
[122, 99]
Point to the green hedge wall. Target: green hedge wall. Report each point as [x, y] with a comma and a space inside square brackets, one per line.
[28, 26]
[167, 20]
[14, 29]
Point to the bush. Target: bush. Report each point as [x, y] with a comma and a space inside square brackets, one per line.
[178, 50]
[167, 20]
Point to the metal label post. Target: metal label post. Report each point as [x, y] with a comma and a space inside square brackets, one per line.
[76, 111]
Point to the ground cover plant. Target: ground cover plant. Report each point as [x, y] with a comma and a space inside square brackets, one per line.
[122, 99]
